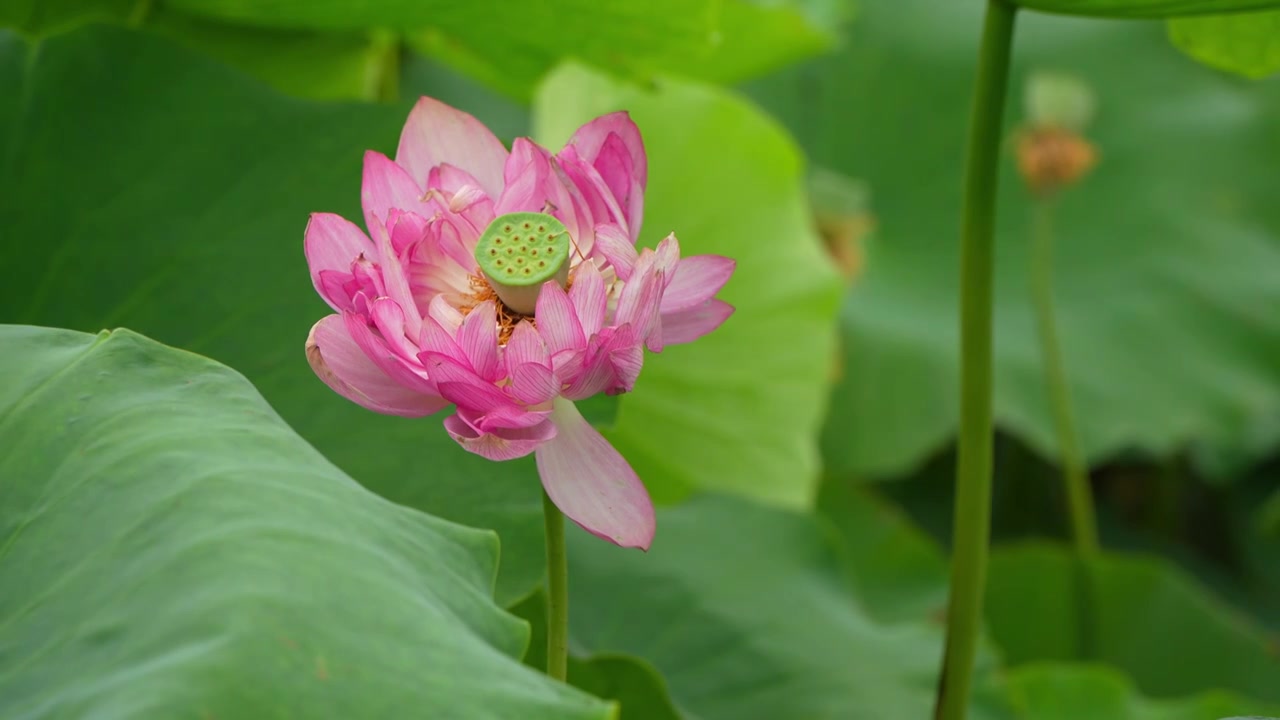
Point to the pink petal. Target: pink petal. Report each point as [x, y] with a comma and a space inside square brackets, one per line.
[590, 140]
[403, 370]
[638, 305]
[612, 145]
[478, 337]
[557, 322]
[696, 280]
[435, 338]
[385, 186]
[333, 288]
[331, 243]
[406, 232]
[343, 366]
[534, 183]
[617, 171]
[525, 177]
[462, 195]
[460, 385]
[618, 249]
[525, 346]
[597, 195]
[688, 325]
[389, 318]
[503, 444]
[508, 417]
[611, 364]
[445, 314]
[394, 279]
[592, 484]
[436, 133]
[533, 384]
[589, 298]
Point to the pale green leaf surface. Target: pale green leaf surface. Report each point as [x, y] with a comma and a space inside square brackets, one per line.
[1141, 615]
[738, 409]
[147, 186]
[172, 549]
[1162, 254]
[1244, 43]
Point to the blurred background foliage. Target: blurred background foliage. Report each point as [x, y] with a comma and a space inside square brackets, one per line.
[160, 159]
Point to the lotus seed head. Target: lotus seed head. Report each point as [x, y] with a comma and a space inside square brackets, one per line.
[519, 252]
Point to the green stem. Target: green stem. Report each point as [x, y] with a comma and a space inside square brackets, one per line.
[557, 592]
[1075, 477]
[971, 528]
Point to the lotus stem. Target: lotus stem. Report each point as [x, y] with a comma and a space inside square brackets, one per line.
[971, 528]
[1084, 527]
[557, 592]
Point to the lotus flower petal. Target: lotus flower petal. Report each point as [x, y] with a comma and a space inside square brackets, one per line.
[331, 244]
[436, 134]
[592, 484]
[344, 367]
[617, 249]
[387, 186]
[689, 325]
[504, 444]
[696, 280]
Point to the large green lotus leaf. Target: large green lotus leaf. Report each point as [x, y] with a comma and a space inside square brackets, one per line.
[1164, 258]
[323, 66]
[173, 549]
[1144, 8]
[39, 17]
[747, 613]
[639, 690]
[898, 571]
[1059, 691]
[147, 186]
[309, 64]
[1245, 43]
[511, 44]
[738, 409]
[1142, 615]
[744, 38]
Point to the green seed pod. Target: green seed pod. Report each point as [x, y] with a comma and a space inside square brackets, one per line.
[519, 252]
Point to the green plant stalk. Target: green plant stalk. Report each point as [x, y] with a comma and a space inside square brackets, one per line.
[557, 592]
[971, 526]
[1075, 478]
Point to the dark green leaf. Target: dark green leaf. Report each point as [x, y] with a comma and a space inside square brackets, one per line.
[1142, 615]
[41, 17]
[898, 572]
[172, 549]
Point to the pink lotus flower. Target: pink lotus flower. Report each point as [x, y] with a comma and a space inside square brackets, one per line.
[508, 285]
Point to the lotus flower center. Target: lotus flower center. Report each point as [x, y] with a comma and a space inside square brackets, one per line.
[519, 252]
